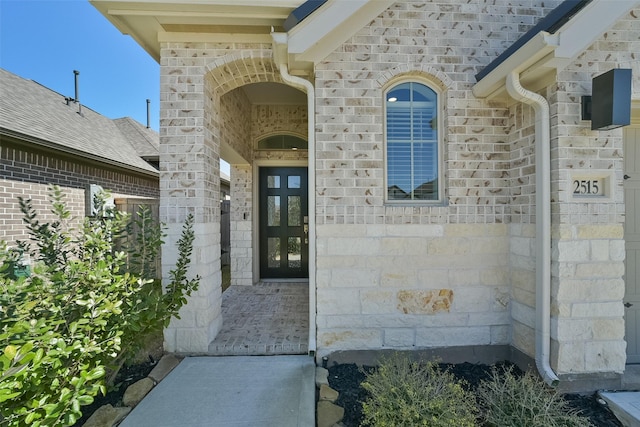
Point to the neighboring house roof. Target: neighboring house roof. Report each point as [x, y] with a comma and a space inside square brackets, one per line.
[143, 139]
[32, 113]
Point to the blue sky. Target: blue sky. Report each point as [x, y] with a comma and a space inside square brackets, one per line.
[45, 40]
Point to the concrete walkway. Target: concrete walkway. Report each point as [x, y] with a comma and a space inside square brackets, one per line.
[625, 403]
[247, 391]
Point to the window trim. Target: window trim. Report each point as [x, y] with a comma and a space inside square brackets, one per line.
[440, 141]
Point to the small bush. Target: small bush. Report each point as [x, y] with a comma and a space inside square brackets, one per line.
[525, 401]
[81, 313]
[404, 393]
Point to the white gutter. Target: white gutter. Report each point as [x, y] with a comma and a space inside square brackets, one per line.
[280, 57]
[543, 222]
[531, 55]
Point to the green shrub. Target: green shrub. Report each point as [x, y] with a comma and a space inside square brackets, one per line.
[404, 393]
[525, 401]
[78, 316]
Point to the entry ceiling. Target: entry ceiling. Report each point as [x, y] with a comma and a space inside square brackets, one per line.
[274, 94]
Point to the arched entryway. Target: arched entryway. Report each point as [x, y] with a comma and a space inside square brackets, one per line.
[246, 103]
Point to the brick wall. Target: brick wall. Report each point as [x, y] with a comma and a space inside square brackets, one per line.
[28, 174]
[408, 276]
[450, 261]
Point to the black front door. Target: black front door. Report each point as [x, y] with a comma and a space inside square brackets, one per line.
[284, 223]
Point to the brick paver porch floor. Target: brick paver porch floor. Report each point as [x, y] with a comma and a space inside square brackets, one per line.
[265, 319]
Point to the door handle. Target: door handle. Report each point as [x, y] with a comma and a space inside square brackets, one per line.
[628, 304]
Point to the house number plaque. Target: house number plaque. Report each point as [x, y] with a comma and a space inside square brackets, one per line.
[587, 187]
[590, 186]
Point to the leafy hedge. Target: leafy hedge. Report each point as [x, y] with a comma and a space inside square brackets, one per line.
[83, 310]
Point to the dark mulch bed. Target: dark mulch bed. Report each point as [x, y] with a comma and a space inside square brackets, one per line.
[126, 376]
[346, 379]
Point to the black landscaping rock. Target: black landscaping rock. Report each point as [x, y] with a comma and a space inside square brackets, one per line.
[346, 379]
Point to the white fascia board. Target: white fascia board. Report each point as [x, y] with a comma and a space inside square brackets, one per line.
[528, 55]
[148, 4]
[588, 26]
[170, 37]
[332, 24]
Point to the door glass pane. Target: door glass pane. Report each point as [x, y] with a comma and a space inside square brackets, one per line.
[273, 252]
[293, 251]
[293, 181]
[273, 211]
[273, 181]
[294, 211]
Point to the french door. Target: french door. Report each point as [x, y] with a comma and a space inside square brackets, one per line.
[284, 222]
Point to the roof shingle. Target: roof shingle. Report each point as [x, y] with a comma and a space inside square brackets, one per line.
[44, 117]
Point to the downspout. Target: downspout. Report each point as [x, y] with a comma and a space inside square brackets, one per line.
[307, 87]
[543, 222]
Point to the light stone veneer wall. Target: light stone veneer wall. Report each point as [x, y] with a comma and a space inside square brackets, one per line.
[412, 286]
[202, 110]
[404, 277]
[490, 180]
[588, 238]
[409, 276]
[587, 327]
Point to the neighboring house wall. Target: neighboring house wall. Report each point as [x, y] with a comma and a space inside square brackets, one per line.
[28, 173]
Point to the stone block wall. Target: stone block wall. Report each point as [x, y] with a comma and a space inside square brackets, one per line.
[588, 235]
[412, 286]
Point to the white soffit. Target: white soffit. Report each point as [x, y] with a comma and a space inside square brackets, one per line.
[329, 26]
[539, 61]
[153, 22]
[588, 26]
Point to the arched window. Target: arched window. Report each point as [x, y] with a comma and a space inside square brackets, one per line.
[413, 152]
[282, 142]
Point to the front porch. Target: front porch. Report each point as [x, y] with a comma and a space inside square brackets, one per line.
[270, 318]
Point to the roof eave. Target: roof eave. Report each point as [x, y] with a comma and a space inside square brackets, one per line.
[529, 56]
[152, 22]
[330, 25]
[21, 138]
[545, 54]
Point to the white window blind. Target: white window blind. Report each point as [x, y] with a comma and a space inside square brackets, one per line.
[412, 143]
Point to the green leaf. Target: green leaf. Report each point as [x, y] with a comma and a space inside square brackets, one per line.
[6, 395]
[10, 352]
[85, 400]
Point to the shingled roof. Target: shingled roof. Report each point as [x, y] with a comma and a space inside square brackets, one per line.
[32, 113]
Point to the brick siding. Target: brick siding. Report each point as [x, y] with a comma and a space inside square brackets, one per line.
[28, 174]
